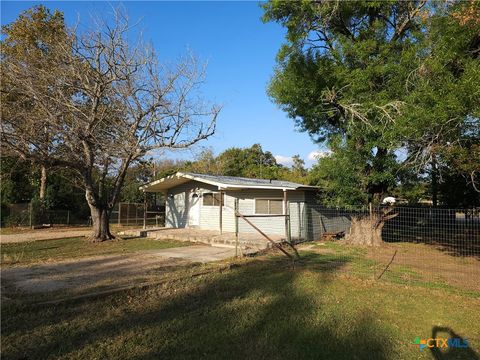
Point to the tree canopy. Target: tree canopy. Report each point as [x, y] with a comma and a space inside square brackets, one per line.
[370, 78]
[252, 162]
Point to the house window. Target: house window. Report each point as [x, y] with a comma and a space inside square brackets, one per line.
[269, 206]
[211, 199]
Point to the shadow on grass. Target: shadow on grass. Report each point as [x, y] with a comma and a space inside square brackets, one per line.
[451, 353]
[256, 311]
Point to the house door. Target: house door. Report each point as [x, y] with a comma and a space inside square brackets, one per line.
[194, 210]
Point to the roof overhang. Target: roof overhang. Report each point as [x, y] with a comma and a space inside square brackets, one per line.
[179, 178]
[164, 184]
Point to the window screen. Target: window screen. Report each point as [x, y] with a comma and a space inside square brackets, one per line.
[208, 199]
[261, 206]
[276, 206]
[269, 206]
[211, 199]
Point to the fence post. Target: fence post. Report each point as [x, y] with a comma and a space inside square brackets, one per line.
[119, 213]
[128, 211]
[30, 215]
[136, 215]
[370, 212]
[144, 210]
[68, 217]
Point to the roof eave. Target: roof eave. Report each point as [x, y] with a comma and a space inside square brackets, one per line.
[221, 186]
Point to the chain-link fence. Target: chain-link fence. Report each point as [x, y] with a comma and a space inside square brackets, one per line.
[34, 215]
[430, 246]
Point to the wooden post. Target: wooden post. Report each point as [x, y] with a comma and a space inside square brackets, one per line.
[221, 213]
[299, 217]
[144, 210]
[265, 235]
[285, 212]
[68, 217]
[128, 211]
[305, 222]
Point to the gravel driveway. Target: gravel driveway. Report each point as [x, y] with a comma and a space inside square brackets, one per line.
[113, 271]
[44, 234]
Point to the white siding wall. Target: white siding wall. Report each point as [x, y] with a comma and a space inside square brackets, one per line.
[269, 225]
[177, 210]
[176, 207]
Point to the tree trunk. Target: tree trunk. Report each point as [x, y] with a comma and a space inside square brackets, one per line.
[43, 182]
[365, 231]
[101, 225]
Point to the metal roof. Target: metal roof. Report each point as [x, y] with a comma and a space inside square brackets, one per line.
[223, 182]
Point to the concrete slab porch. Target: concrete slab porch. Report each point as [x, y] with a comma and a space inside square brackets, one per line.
[247, 241]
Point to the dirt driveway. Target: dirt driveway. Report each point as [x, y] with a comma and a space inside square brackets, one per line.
[45, 234]
[86, 275]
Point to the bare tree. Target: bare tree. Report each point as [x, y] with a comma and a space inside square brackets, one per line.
[107, 104]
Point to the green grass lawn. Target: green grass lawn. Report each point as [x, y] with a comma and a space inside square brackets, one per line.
[260, 309]
[54, 250]
[14, 230]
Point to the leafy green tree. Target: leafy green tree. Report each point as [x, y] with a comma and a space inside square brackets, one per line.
[339, 176]
[441, 125]
[16, 182]
[248, 162]
[204, 163]
[251, 162]
[380, 76]
[298, 165]
[35, 35]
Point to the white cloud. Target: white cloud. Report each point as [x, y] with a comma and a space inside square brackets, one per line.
[318, 154]
[284, 160]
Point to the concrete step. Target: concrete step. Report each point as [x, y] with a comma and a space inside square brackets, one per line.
[215, 244]
[215, 240]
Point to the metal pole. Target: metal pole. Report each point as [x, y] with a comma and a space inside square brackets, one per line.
[119, 213]
[128, 211]
[68, 217]
[144, 210]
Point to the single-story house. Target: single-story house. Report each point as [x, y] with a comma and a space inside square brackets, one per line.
[209, 202]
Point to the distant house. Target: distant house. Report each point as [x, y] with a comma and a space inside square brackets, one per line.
[209, 202]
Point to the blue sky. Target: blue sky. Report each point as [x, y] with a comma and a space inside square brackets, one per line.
[240, 51]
